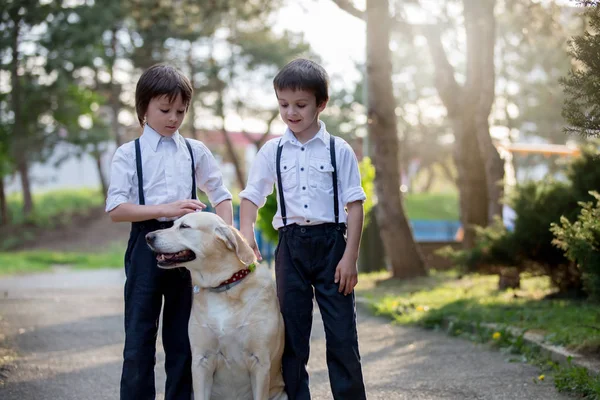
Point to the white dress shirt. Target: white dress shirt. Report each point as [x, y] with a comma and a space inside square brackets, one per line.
[306, 175]
[166, 171]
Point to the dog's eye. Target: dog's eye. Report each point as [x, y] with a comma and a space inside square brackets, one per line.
[184, 226]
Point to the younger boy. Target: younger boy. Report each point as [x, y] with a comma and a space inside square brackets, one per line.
[317, 176]
[153, 181]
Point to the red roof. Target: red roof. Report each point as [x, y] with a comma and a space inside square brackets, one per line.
[239, 139]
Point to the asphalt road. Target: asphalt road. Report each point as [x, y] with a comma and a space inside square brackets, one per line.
[67, 328]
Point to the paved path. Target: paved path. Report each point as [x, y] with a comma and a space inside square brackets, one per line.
[68, 330]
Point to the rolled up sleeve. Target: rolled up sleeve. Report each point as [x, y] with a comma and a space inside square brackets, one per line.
[209, 177]
[121, 176]
[349, 176]
[261, 177]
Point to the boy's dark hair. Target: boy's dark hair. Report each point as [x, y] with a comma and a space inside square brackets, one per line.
[303, 74]
[161, 80]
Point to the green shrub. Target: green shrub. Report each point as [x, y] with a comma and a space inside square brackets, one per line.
[580, 242]
[538, 205]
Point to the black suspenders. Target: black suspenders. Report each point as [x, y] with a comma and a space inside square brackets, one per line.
[336, 206]
[138, 165]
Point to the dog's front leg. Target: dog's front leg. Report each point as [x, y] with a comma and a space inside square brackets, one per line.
[260, 378]
[203, 371]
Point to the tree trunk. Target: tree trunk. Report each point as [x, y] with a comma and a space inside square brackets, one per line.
[471, 179]
[20, 136]
[192, 117]
[480, 168]
[23, 169]
[4, 219]
[115, 103]
[429, 181]
[480, 26]
[396, 234]
[97, 154]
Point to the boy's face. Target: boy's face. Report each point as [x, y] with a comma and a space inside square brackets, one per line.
[164, 117]
[299, 111]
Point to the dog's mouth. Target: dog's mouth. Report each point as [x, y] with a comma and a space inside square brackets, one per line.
[166, 260]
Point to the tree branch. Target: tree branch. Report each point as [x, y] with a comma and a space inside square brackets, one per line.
[445, 82]
[349, 7]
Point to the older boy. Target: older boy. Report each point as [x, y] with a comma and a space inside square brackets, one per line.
[317, 177]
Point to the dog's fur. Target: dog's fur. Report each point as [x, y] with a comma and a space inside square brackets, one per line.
[236, 336]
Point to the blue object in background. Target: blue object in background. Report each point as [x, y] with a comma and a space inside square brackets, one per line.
[423, 231]
[435, 230]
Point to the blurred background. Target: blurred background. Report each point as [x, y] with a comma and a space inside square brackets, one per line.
[457, 111]
[474, 122]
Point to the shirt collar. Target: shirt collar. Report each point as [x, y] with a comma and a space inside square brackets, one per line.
[153, 138]
[322, 134]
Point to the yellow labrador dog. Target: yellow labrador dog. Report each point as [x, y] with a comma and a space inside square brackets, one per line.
[235, 329]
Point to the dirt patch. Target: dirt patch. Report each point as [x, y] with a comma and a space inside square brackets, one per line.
[92, 231]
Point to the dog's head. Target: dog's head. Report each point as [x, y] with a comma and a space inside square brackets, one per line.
[203, 242]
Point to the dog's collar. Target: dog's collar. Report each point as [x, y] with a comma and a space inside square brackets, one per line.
[234, 280]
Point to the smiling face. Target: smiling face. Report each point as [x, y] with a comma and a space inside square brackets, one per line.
[300, 112]
[165, 116]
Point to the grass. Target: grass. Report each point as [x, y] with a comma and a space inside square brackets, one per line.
[431, 206]
[37, 261]
[48, 205]
[471, 300]
[475, 298]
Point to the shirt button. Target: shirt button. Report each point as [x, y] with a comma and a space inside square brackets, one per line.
[285, 167]
[302, 148]
[308, 221]
[306, 206]
[303, 187]
[321, 167]
[302, 169]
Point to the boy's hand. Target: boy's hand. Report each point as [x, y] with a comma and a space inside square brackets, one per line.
[248, 234]
[346, 274]
[182, 207]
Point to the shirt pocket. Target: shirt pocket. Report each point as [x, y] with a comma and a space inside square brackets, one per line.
[289, 173]
[320, 174]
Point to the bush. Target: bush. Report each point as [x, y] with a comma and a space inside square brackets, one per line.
[580, 242]
[538, 205]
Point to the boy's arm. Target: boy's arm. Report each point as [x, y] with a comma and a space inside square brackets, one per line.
[248, 215]
[346, 272]
[210, 181]
[352, 195]
[127, 212]
[261, 178]
[225, 210]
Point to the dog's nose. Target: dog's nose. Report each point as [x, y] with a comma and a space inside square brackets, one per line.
[150, 238]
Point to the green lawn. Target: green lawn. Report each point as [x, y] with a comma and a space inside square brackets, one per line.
[431, 206]
[35, 261]
[474, 298]
[51, 204]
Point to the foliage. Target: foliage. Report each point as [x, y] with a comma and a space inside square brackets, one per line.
[265, 218]
[538, 205]
[580, 241]
[582, 106]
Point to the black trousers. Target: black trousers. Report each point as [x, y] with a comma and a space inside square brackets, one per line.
[145, 287]
[306, 258]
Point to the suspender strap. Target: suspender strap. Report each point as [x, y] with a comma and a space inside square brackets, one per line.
[280, 185]
[194, 191]
[336, 207]
[138, 165]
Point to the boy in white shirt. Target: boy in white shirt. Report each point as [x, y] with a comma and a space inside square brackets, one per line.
[317, 176]
[153, 181]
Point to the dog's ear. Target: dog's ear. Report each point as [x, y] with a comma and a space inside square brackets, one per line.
[235, 242]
